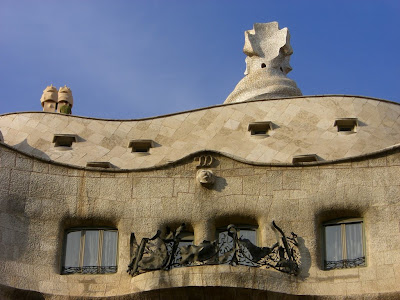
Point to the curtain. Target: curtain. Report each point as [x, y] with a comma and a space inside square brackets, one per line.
[91, 249]
[333, 243]
[109, 257]
[354, 243]
[72, 249]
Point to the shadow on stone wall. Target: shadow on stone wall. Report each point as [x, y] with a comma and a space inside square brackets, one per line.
[9, 293]
[15, 227]
[220, 184]
[26, 148]
[305, 259]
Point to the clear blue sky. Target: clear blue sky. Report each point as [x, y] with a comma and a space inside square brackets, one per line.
[133, 59]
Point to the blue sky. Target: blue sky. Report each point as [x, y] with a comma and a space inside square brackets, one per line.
[135, 59]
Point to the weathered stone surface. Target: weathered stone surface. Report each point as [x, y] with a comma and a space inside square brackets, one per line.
[40, 197]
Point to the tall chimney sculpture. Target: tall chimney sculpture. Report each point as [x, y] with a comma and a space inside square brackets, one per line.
[268, 53]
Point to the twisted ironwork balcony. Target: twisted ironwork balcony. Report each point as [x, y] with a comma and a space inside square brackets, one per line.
[164, 254]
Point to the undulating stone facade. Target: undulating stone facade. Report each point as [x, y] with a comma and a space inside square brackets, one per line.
[74, 190]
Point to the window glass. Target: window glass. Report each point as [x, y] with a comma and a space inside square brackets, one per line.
[225, 243]
[250, 234]
[333, 239]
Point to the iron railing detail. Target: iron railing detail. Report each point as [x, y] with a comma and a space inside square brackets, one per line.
[345, 263]
[164, 254]
[89, 270]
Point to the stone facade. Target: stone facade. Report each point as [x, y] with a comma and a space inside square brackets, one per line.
[305, 162]
[40, 200]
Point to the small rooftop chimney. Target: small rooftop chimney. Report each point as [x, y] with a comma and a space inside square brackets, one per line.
[49, 99]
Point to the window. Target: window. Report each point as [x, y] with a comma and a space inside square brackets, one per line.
[186, 238]
[260, 128]
[244, 232]
[99, 164]
[64, 140]
[226, 244]
[304, 158]
[344, 244]
[347, 125]
[141, 146]
[90, 251]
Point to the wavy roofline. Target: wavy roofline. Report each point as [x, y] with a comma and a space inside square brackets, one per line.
[386, 150]
[202, 108]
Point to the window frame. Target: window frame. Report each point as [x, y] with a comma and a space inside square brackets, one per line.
[344, 262]
[81, 269]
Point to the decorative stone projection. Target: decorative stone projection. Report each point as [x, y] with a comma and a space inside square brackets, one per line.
[65, 100]
[205, 177]
[49, 99]
[268, 53]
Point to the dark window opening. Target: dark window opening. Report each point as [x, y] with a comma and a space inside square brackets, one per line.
[340, 128]
[306, 158]
[260, 128]
[141, 146]
[346, 124]
[140, 149]
[64, 140]
[255, 132]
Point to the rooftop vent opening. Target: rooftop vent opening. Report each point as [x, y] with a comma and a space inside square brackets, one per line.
[347, 125]
[141, 146]
[260, 128]
[64, 140]
[305, 158]
[99, 164]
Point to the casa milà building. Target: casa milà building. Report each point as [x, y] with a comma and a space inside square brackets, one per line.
[270, 195]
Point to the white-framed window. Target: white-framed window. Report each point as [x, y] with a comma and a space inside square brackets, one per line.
[344, 243]
[90, 251]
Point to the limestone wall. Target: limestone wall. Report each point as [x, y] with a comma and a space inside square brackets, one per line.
[39, 200]
[303, 125]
